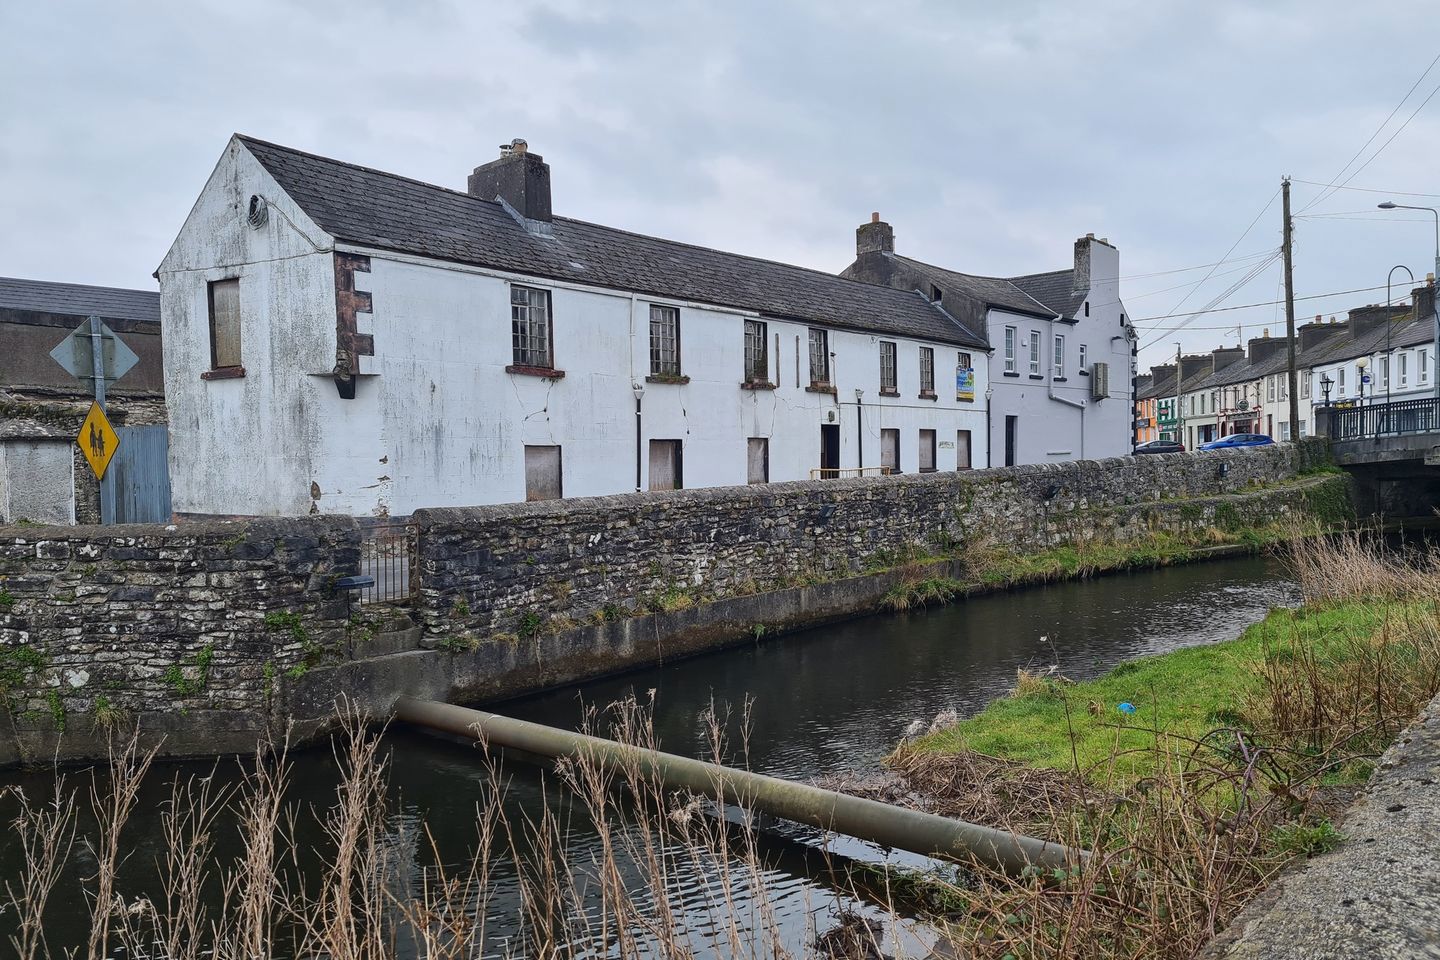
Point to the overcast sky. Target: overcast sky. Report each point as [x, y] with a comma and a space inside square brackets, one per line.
[991, 135]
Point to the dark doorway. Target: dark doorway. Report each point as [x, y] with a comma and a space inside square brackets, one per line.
[1011, 425]
[829, 451]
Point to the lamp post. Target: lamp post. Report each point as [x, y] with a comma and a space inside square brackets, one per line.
[1390, 205]
[638, 389]
[1389, 357]
[1325, 385]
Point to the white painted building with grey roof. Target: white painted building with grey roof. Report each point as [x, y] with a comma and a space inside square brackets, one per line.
[344, 340]
[1061, 357]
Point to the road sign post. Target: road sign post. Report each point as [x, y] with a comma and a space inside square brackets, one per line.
[93, 352]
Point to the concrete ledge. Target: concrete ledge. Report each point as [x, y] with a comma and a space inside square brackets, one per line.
[1377, 895]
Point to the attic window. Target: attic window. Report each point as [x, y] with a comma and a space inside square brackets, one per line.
[935, 294]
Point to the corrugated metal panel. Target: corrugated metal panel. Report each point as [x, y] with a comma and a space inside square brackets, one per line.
[142, 475]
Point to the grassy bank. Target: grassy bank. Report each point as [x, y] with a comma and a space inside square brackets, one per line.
[1232, 764]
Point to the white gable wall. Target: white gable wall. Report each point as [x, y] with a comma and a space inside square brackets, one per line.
[246, 445]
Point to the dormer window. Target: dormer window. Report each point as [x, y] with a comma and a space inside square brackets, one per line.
[935, 294]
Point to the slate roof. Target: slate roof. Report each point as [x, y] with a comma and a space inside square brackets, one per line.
[1161, 386]
[74, 299]
[1004, 293]
[1055, 289]
[377, 209]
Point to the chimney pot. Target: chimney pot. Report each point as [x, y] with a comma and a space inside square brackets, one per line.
[1089, 236]
[875, 217]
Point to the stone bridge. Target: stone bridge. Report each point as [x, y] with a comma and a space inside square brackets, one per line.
[1392, 450]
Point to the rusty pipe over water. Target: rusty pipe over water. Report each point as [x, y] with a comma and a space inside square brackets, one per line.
[912, 830]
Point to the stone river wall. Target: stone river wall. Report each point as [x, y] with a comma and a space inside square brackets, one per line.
[209, 635]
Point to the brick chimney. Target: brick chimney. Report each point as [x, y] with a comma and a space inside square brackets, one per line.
[877, 236]
[1424, 300]
[1317, 332]
[1222, 357]
[1362, 320]
[518, 177]
[1263, 348]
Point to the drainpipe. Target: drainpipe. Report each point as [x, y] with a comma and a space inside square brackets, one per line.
[638, 390]
[859, 433]
[912, 830]
[989, 417]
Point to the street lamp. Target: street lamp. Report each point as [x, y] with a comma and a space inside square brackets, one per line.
[1389, 361]
[1391, 205]
[1325, 384]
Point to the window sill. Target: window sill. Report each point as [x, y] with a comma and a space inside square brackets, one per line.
[927, 470]
[1007, 373]
[1037, 376]
[822, 388]
[1061, 379]
[928, 395]
[757, 385]
[667, 378]
[549, 373]
[889, 393]
[1084, 373]
[223, 373]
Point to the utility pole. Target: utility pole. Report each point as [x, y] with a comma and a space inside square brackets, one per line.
[1292, 375]
[1179, 397]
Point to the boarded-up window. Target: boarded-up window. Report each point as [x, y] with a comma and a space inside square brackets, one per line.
[224, 324]
[962, 450]
[542, 473]
[927, 451]
[665, 466]
[757, 460]
[890, 450]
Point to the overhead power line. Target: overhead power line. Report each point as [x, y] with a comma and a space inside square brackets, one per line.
[1393, 193]
[1199, 266]
[1247, 306]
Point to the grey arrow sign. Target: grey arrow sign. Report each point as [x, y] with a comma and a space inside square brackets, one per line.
[76, 355]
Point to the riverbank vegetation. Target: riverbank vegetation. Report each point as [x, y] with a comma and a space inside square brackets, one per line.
[1193, 776]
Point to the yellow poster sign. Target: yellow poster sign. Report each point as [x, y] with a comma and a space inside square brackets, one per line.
[97, 440]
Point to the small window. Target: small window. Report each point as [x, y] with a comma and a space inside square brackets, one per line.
[889, 451]
[927, 372]
[1084, 365]
[1305, 384]
[757, 460]
[1270, 388]
[927, 451]
[1010, 350]
[1403, 369]
[1423, 365]
[542, 473]
[1340, 381]
[819, 358]
[1059, 356]
[887, 366]
[665, 465]
[664, 341]
[1087, 308]
[1034, 353]
[225, 324]
[530, 327]
[757, 356]
[935, 294]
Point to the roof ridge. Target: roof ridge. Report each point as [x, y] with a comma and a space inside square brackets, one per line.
[587, 223]
[84, 286]
[1042, 273]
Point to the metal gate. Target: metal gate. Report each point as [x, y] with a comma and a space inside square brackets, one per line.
[141, 475]
[387, 553]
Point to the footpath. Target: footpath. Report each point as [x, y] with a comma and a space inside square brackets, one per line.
[1377, 895]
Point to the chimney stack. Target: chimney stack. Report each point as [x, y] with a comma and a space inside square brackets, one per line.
[1424, 299]
[518, 177]
[877, 236]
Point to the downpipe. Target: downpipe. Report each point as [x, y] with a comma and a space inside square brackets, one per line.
[912, 830]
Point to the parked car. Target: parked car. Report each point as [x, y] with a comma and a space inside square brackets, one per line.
[1238, 440]
[1161, 446]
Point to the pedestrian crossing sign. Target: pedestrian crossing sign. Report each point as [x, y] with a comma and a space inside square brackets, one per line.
[97, 440]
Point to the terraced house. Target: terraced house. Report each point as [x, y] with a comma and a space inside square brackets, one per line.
[344, 340]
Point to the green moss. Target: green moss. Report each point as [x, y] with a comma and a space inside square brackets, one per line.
[194, 681]
[7, 600]
[530, 624]
[57, 708]
[19, 665]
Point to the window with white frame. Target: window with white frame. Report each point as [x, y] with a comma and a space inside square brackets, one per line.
[1059, 356]
[927, 371]
[530, 327]
[757, 357]
[1034, 353]
[1270, 388]
[819, 357]
[1084, 366]
[1403, 369]
[664, 341]
[1010, 350]
[1422, 365]
[887, 366]
[1340, 382]
[1305, 384]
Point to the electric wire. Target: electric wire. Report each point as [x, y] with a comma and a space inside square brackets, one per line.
[1247, 306]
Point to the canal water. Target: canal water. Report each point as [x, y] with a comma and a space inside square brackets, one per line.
[825, 701]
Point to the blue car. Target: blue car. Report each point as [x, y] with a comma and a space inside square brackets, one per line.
[1238, 440]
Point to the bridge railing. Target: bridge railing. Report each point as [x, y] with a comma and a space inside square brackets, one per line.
[1385, 419]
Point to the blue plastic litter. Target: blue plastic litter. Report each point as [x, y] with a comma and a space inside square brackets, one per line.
[1127, 707]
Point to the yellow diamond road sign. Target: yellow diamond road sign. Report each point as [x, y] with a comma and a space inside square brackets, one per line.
[97, 440]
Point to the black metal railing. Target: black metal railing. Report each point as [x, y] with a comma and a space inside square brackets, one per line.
[1385, 419]
[387, 553]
